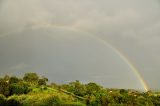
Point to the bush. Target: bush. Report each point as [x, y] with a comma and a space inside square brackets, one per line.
[52, 101]
[74, 104]
[40, 100]
[19, 88]
[2, 100]
[4, 87]
[13, 79]
[13, 102]
[31, 77]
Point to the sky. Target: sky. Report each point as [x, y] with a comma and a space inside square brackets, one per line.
[62, 39]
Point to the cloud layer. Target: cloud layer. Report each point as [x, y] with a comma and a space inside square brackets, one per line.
[131, 26]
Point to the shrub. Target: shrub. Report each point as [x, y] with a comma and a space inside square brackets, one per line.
[13, 102]
[19, 88]
[13, 79]
[31, 77]
[2, 100]
[74, 104]
[52, 101]
[4, 87]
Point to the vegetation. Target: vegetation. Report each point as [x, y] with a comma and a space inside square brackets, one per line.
[33, 90]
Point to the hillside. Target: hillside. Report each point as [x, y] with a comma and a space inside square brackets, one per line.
[32, 90]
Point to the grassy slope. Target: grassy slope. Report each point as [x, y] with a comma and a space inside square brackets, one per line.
[48, 96]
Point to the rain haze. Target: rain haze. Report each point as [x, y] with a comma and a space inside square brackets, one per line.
[68, 40]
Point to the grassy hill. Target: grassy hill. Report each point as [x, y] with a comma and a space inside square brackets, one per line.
[32, 90]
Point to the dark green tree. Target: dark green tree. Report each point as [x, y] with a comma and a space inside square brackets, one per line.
[19, 88]
[13, 102]
[92, 88]
[14, 79]
[31, 77]
[2, 100]
[75, 87]
[4, 87]
[42, 81]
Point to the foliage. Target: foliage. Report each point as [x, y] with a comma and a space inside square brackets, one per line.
[13, 102]
[43, 99]
[13, 79]
[2, 100]
[73, 104]
[4, 87]
[31, 77]
[19, 88]
[33, 90]
[75, 87]
[42, 81]
[92, 88]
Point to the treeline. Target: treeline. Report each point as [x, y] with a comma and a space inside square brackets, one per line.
[10, 85]
[33, 90]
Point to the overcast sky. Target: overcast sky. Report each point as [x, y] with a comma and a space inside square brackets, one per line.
[54, 38]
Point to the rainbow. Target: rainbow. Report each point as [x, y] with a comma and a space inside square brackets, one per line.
[118, 52]
[128, 62]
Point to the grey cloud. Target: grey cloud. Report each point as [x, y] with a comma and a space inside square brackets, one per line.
[131, 26]
[65, 58]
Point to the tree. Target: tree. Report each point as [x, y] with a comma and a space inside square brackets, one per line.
[42, 81]
[92, 88]
[75, 87]
[19, 88]
[4, 87]
[13, 102]
[6, 78]
[31, 77]
[13, 79]
[2, 100]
